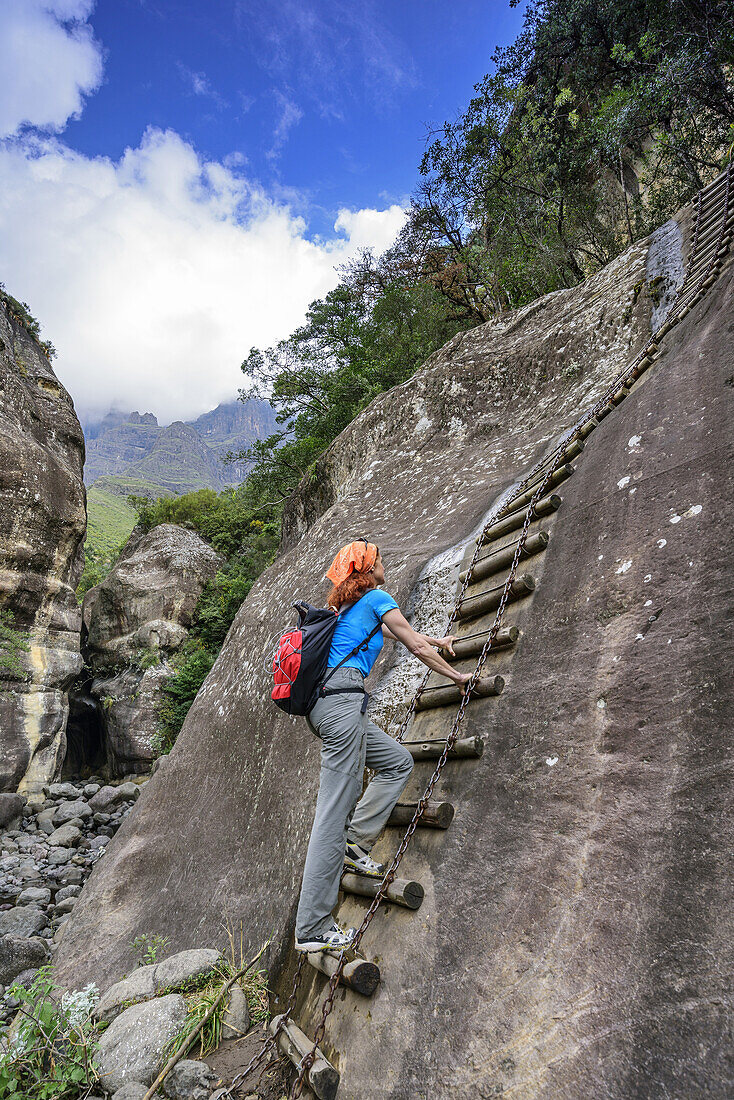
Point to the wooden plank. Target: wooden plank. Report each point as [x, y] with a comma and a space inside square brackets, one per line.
[561, 474]
[322, 1077]
[402, 891]
[448, 694]
[431, 750]
[436, 815]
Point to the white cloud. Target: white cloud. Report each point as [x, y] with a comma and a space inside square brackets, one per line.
[289, 115]
[154, 275]
[49, 60]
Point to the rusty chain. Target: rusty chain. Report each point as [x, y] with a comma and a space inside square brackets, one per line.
[549, 464]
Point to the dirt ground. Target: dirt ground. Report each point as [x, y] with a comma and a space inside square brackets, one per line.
[270, 1081]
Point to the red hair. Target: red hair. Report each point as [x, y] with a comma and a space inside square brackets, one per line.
[351, 590]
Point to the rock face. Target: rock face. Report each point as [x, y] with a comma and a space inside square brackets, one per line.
[575, 938]
[134, 620]
[42, 525]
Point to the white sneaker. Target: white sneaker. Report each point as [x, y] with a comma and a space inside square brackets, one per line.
[334, 939]
[357, 860]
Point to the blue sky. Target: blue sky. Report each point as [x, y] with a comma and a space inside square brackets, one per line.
[179, 179]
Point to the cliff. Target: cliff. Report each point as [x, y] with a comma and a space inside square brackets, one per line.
[42, 526]
[575, 937]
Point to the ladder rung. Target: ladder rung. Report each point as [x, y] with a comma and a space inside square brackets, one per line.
[559, 475]
[471, 644]
[544, 507]
[494, 560]
[322, 1078]
[473, 606]
[436, 815]
[358, 974]
[447, 694]
[401, 891]
[431, 750]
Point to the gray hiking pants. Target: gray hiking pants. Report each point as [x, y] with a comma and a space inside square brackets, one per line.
[349, 743]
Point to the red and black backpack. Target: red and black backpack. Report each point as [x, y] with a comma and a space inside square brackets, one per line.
[301, 656]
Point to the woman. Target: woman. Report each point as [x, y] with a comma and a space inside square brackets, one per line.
[345, 829]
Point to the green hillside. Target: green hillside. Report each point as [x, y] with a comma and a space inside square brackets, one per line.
[110, 519]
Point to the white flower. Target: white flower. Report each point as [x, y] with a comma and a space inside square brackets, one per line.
[78, 1004]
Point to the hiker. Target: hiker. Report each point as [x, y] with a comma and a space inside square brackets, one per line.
[344, 828]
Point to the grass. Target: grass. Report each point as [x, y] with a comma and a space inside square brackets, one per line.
[110, 521]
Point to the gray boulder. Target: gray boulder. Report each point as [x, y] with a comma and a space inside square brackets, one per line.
[23, 920]
[18, 954]
[65, 836]
[132, 1047]
[11, 810]
[133, 1090]
[185, 966]
[236, 1019]
[189, 1080]
[137, 986]
[34, 895]
[63, 790]
[144, 606]
[67, 811]
[42, 527]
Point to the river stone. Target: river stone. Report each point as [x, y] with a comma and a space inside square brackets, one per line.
[45, 820]
[42, 528]
[68, 810]
[189, 1080]
[34, 895]
[67, 892]
[57, 856]
[137, 986]
[131, 1048]
[18, 954]
[184, 966]
[63, 790]
[11, 810]
[578, 916]
[23, 920]
[65, 836]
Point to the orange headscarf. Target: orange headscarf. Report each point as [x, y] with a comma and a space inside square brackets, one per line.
[356, 557]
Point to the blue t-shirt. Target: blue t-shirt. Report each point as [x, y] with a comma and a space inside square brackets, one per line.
[353, 627]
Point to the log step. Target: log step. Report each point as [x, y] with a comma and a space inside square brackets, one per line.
[431, 750]
[472, 644]
[436, 815]
[561, 474]
[358, 974]
[473, 606]
[401, 891]
[322, 1078]
[494, 560]
[545, 507]
[447, 694]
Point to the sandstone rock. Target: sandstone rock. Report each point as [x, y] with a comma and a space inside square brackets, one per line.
[578, 916]
[143, 606]
[189, 1080]
[23, 920]
[131, 1048]
[65, 836]
[67, 811]
[11, 810]
[19, 953]
[137, 986]
[185, 966]
[42, 526]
